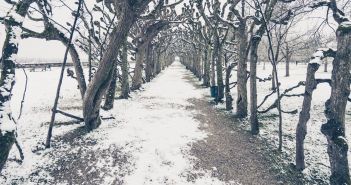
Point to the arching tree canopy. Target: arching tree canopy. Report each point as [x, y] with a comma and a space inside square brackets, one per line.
[262, 55]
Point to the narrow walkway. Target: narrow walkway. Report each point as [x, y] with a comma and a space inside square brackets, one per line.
[166, 134]
[180, 139]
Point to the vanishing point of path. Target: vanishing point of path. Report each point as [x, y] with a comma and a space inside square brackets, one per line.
[183, 139]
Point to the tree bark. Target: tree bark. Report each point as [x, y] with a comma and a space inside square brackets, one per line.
[143, 44]
[111, 91]
[198, 64]
[255, 41]
[287, 62]
[273, 80]
[125, 72]
[102, 77]
[207, 66]
[159, 62]
[287, 66]
[90, 59]
[59, 85]
[241, 102]
[301, 129]
[219, 68]
[228, 96]
[334, 128]
[154, 61]
[213, 68]
[148, 59]
[253, 86]
[138, 74]
[13, 22]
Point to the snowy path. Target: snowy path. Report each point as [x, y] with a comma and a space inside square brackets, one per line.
[167, 133]
[162, 128]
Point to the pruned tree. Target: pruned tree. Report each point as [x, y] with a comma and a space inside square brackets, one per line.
[152, 28]
[335, 106]
[50, 33]
[125, 89]
[58, 90]
[310, 85]
[128, 13]
[219, 35]
[13, 22]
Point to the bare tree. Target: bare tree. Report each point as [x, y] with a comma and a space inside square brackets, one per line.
[125, 71]
[149, 32]
[129, 12]
[58, 91]
[255, 41]
[50, 33]
[334, 128]
[13, 22]
[310, 85]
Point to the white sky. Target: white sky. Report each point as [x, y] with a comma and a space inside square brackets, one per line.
[35, 48]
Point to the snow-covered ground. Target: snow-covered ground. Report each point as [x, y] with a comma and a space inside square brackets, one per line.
[317, 161]
[150, 139]
[149, 142]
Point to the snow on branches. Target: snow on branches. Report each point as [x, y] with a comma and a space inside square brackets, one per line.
[322, 53]
[339, 16]
[12, 21]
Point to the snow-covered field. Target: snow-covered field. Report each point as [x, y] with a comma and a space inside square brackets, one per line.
[317, 161]
[150, 139]
[149, 142]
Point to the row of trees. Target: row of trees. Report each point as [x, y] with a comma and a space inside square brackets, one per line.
[113, 34]
[213, 38]
[226, 36]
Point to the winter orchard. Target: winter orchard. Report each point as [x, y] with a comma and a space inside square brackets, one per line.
[123, 67]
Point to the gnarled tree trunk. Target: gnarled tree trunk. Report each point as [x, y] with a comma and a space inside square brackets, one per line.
[213, 67]
[138, 69]
[102, 77]
[125, 72]
[253, 85]
[219, 68]
[301, 129]
[159, 62]
[273, 80]
[111, 91]
[13, 22]
[241, 102]
[334, 128]
[198, 64]
[149, 63]
[228, 96]
[144, 43]
[207, 66]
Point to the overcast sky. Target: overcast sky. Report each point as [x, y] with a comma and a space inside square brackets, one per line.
[40, 48]
[36, 48]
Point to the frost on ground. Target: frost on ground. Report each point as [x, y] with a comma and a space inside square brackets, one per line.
[149, 142]
[317, 161]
